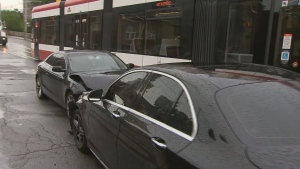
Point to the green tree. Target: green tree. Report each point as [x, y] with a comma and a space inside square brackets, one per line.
[41, 2]
[13, 20]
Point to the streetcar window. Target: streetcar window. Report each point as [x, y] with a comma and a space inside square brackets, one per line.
[49, 31]
[131, 33]
[163, 32]
[163, 37]
[95, 30]
[69, 31]
[153, 32]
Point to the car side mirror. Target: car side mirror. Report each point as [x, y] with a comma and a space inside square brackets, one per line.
[58, 69]
[130, 65]
[95, 95]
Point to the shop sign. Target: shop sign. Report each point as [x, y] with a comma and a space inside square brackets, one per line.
[287, 40]
[285, 3]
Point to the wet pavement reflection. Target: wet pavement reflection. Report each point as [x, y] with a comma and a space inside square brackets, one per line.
[17, 46]
[33, 132]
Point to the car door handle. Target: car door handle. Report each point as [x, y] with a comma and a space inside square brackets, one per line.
[115, 114]
[158, 143]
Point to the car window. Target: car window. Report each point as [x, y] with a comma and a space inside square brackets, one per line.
[125, 90]
[59, 60]
[50, 60]
[86, 62]
[165, 100]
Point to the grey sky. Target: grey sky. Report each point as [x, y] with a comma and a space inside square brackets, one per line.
[11, 4]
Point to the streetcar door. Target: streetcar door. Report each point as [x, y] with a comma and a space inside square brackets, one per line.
[288, 56]
[80, 32]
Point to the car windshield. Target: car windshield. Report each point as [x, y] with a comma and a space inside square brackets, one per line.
[87, 62]
[263, 111]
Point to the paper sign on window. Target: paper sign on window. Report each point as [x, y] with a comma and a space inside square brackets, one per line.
[287, 40]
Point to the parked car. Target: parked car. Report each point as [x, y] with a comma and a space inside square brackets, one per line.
[63, 76]
[184, 116]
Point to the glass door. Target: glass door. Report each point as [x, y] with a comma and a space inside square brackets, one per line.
[288, 49]
[80, 32]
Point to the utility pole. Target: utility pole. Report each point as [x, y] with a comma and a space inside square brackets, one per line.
[25, 9]
[0, 14]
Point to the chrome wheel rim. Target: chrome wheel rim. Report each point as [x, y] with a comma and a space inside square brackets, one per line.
[38, 87]
[70, 99]
[78, 130]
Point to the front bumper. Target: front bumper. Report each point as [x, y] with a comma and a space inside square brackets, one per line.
[3, 39]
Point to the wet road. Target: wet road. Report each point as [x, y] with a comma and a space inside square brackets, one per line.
[33, 133]
[18, 47]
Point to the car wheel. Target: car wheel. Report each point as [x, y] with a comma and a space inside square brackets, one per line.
[70, 104]
[39, 91]
[79, 136]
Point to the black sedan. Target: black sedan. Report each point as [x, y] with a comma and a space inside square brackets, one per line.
[183, 116]
[63, 76]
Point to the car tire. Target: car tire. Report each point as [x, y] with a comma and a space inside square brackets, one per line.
[70, 104]
[79, 135]
[39, 90]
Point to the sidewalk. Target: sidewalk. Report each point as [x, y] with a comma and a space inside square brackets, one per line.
[16, 37]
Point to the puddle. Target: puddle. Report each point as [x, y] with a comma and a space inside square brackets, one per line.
[12, 78]
[1, 113]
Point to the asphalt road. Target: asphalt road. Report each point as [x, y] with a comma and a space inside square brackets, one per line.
[33, 132]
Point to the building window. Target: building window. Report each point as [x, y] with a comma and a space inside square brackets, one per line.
[131, 33]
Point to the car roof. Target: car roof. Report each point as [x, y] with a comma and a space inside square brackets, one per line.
[222, 76]
[83, 51]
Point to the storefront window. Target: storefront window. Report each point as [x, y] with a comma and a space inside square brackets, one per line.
[131, 33]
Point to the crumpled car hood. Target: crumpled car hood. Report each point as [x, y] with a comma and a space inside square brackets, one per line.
[99, 81]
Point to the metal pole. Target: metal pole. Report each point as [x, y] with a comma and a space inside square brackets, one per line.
[0, 13]
[269, 36]
[25, 19]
